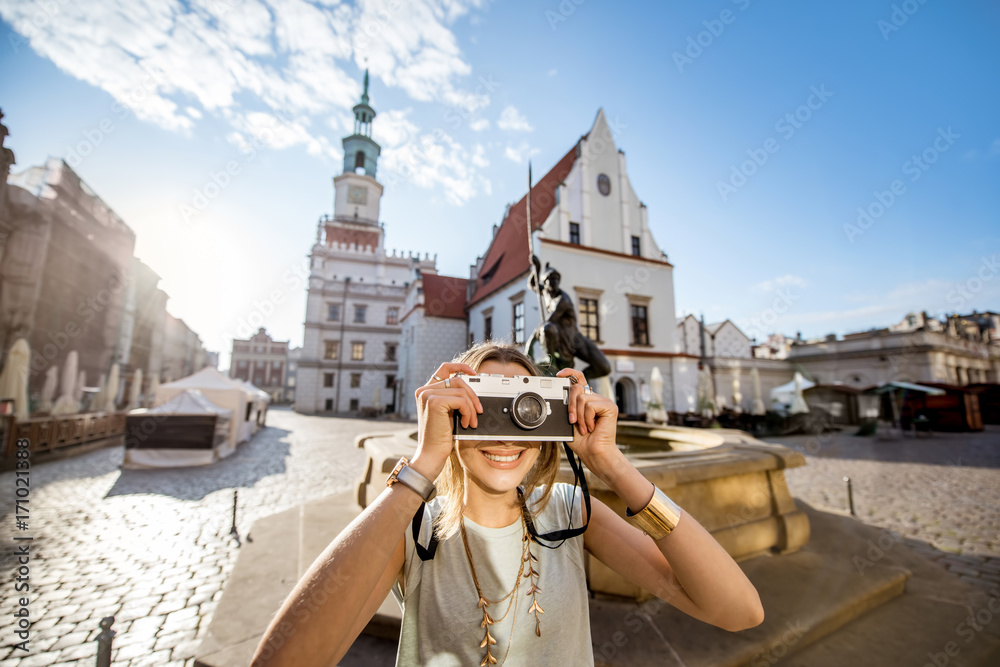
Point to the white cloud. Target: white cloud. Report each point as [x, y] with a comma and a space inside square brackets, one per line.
[553, 72]
[519, 153]
[783, 281]
[436, 160]
[479, 125]
[268, 68]
[512, 120]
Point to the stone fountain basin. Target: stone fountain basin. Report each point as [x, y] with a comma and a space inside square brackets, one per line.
[732, 483]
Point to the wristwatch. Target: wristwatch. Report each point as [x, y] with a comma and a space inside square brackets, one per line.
[409, 477]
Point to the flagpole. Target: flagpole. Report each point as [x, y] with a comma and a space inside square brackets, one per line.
[534, 272]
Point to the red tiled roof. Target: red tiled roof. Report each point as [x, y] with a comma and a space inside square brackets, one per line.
[507, 256]
[444, 296]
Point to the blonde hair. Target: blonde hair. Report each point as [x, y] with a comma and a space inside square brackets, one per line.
[451, 482]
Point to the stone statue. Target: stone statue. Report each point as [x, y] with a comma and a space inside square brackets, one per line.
[559, 333]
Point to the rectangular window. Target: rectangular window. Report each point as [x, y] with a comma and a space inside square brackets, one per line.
[328, 406]
[574, 233]
[333, 312]
[355, 380]
[330, 349]
[640, 328]
[488, 327]
[390, 351]
[328, 379]
[277, 364]
[243, 363]
[354, 405]
[390, 381]
[519, 322]
[360, 312]
[392, 315]
[357, 351]
[590, 325]
[636, 248]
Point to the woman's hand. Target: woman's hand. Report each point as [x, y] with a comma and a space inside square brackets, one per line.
[596, 420]
[436, 401]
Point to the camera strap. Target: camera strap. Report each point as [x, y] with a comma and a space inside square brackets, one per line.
[580, 480]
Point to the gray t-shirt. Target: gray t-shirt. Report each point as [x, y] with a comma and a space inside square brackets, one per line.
[441, 616]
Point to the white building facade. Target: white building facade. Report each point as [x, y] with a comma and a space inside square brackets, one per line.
[590, 225]
[354, 306]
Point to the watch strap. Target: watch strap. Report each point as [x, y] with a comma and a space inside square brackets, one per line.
[409, 477]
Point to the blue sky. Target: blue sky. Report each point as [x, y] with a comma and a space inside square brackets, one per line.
[753, 134]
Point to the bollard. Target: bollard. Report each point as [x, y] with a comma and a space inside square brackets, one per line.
[232, 531]
[850, 495]
[104, 642]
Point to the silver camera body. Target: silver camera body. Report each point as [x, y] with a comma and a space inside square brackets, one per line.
[522, 408]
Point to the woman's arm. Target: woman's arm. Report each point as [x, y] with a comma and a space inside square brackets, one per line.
[324, 613]
[314, 623]
[687, 568]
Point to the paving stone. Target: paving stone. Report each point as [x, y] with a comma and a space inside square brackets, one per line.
[84, 650]
[40, 659]
[963, 570]
[70, 640]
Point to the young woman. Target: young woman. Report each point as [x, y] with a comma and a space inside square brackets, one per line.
[480, 589]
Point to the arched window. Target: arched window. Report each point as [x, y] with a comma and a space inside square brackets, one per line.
[359, 161]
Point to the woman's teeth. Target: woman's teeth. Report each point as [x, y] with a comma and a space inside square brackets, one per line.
[501, 459]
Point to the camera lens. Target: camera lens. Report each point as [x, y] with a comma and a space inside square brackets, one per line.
[529, 410]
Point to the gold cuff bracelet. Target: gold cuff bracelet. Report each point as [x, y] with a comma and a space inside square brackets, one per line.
[658, 518]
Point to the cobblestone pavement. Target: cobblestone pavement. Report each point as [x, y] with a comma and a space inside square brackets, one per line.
[153, 547]
[940, 494]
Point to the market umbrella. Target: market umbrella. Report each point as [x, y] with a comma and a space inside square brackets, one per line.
[758, 402]
[97, 403]
[14, 377]
[798, 400]
[67, 403]
[111, 398]
[656, 412]
[605, 388]
[154, 384]
[706, 393]
[80, 384]
[48, 389]
[134, 390]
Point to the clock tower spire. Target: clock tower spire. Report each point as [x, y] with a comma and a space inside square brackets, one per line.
[356, 192]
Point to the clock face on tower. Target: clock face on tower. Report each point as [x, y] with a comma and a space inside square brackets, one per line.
[357, 195]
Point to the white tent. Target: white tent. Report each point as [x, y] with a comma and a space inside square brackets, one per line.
[219, 389]
[261, 399]
[166, 436]
[785, 394]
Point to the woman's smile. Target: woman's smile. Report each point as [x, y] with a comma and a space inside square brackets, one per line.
[503, 458]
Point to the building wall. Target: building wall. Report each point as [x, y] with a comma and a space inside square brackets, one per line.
[261, 361]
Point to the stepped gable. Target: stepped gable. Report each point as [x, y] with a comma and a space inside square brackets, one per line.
[507, 256]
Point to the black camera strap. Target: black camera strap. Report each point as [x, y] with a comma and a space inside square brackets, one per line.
[580, 480]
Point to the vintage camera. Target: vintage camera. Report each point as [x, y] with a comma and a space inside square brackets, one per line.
[523, 407]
